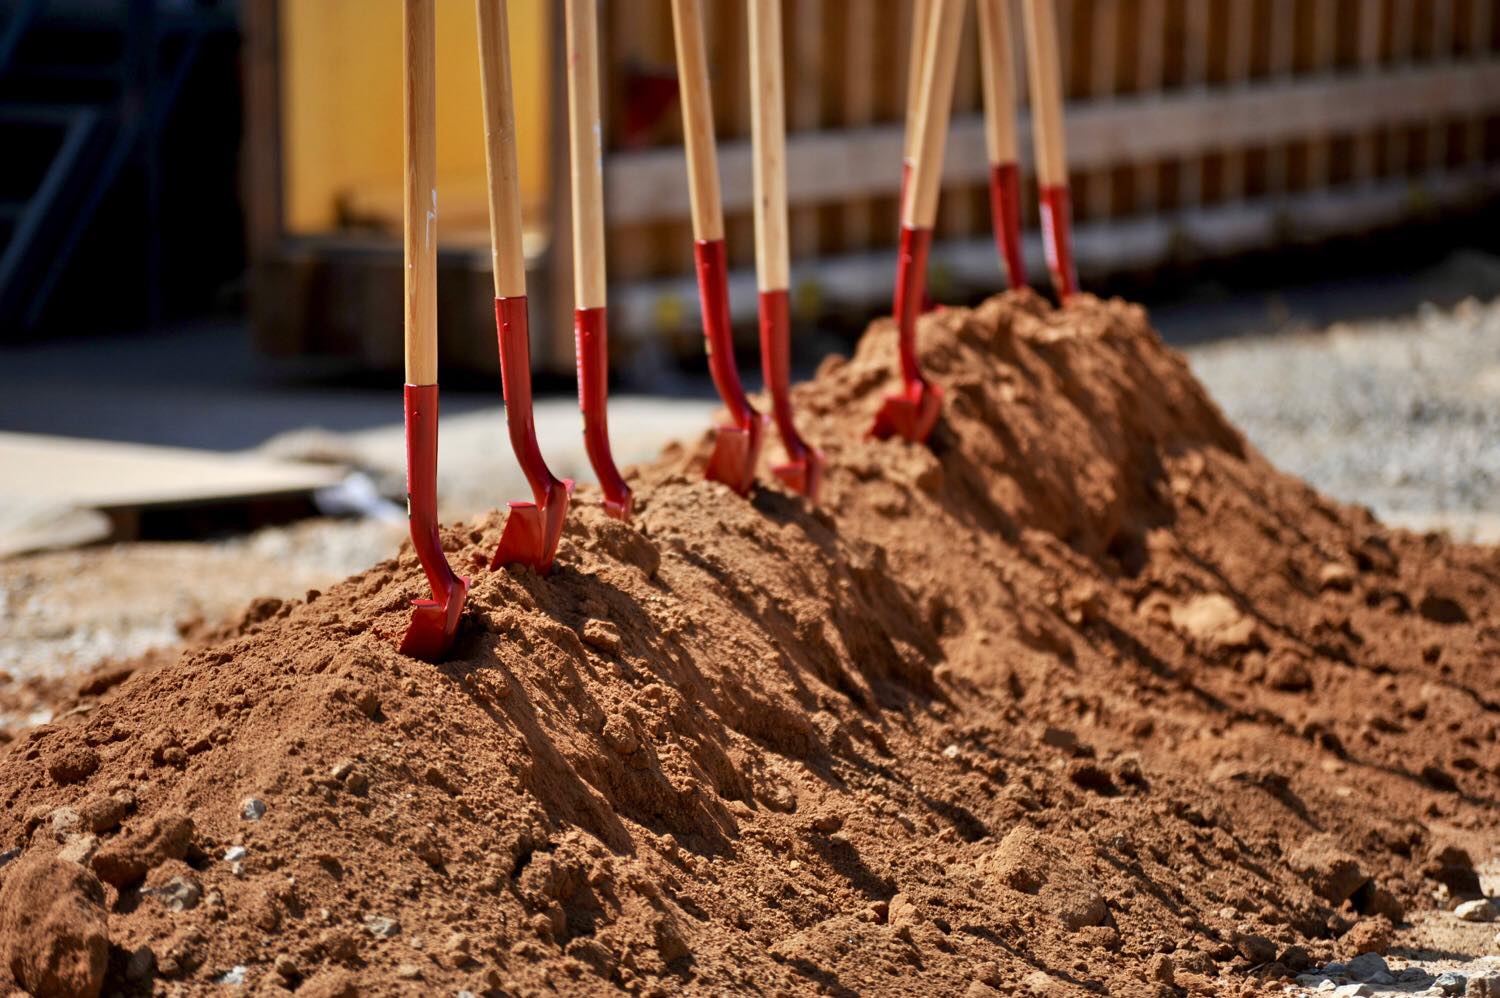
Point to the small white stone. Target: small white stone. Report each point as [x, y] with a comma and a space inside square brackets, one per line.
[1353, 991]
[235, 853]
[235, 975]
[252, 808]
[1480, 910]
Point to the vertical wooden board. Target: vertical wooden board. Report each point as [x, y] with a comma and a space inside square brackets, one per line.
[1480, 27]
[803, 44]
[856, 219]
[1195, 45]
[1150, 76]
[1370, 32]
[1099, 194]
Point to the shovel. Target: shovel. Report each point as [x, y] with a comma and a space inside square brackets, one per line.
[1051, 151]
[532, 528]
[590, 326]
[737, 446]
[997, 65]
[912, 412]
[803, 470]
[433, 621]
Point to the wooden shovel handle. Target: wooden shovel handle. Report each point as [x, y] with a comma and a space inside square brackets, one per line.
[1046, 91]
[697, 120]
[768, 135]
[998, 67]
[921, 20]
[506, 250]
[939, 66]
[420, 186]
[585, 152]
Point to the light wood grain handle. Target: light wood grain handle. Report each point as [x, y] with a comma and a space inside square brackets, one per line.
[921, 20]
[998, 67]
[419, 107]
[1046, 91]
[939, 67]
[585, 152]
[697, 120]
[506, 249]
[768, 135]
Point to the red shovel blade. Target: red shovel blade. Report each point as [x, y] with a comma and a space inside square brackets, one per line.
[804, 475]
[532, 532]
[434, 621]
[910, 414]
[803, 471]
[736, 452]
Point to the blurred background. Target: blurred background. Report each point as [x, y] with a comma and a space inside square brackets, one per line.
[200, 260]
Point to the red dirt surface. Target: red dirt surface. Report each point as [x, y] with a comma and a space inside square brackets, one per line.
[1086, 698]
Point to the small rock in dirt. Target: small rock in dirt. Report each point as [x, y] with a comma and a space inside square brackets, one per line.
[1366, 966]
[1255, 948]
[103, 812]
[72, 763]
[1160, 970]
[1214, 623]
[828, 822]
[53, 936]
[178, 894]
[381, 927]
[64, 822]
[1372, 935]
[124, 861]
[79, 849]
[1287, 672]
[1060, 738]
[235, 853]
[603, 635]
[286, 968]
[234, 975]
[1294, 958]
[1352, 991]
[1451, 982]
[618, 733]
[1079, 909]
[252, 809]
[1478, 910]
[409, 972]
[1332, 873]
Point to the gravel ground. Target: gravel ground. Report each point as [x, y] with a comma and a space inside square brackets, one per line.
[1402, 416]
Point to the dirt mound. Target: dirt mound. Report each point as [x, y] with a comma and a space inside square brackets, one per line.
[1087, 696]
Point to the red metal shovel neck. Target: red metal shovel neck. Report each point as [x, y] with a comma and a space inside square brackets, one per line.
[532, 529]
[434, 622]
[591, 335]
[803, 470]
[737, 446]
[912, 412]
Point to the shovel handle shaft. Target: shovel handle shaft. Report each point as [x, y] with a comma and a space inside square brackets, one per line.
[420, 189]
[1046, 91]
[585, 153]
[768, 135]
[501, 170]
[939, 66]
[697, 121]
[998, 69]
[917, 50]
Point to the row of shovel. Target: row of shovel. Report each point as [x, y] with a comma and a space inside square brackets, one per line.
[532, 529]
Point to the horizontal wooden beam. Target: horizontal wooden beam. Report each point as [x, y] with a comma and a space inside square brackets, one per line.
[637, 308]
[835, 165]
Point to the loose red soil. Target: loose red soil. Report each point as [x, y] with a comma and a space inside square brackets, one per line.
[1086, 697]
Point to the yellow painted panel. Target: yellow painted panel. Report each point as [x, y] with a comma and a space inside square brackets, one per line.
[341, 114]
